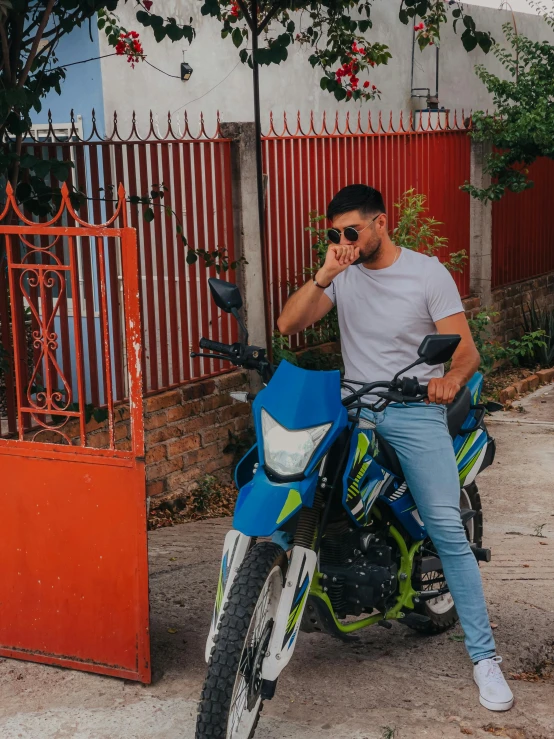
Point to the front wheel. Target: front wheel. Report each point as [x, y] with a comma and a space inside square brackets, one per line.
[231, 699]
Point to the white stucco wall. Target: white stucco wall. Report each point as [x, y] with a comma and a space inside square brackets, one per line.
[292, 86]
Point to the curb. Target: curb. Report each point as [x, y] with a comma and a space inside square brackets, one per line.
[542, 377]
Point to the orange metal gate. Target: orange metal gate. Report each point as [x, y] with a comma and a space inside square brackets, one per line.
[73, 547]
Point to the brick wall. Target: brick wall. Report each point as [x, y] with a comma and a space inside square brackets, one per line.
[186, 430]
[507, 301]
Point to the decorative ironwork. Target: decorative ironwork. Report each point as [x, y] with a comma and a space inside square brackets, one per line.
[423, 122]
[42, 267]
[177, 129]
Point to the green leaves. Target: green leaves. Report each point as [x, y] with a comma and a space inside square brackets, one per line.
[469, 40]
[237, 37]
[521, 128]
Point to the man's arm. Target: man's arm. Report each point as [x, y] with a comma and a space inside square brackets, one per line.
[309, 304]
[465, 361]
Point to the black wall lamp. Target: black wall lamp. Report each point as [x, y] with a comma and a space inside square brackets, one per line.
[186, 71]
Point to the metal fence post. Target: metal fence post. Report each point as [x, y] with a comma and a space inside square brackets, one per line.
[480, 245]
[247, 230]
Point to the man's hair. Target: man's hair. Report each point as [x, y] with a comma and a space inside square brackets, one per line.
[366, 199]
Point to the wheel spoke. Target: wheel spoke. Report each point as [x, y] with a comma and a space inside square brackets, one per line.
[245, 700]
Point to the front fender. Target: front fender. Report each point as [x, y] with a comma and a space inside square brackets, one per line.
[264, 506]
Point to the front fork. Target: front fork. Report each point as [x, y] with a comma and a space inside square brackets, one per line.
[235, 548]
[299, 579]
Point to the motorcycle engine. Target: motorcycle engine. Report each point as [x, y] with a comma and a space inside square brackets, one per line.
[358, 569]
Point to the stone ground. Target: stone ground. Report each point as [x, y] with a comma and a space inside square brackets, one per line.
[389, 684]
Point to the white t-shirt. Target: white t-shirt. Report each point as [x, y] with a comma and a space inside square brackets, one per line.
[384, 315]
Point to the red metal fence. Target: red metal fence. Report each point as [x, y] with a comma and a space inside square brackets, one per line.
[175, 307]
[306, 167]
[523, 229]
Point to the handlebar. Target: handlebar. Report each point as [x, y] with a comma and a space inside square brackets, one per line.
[405, 390]
[241, 355]
[216, 346]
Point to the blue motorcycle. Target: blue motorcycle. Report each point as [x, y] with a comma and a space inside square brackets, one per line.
[321, 479]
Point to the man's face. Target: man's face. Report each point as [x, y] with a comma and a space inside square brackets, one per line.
[370, 232]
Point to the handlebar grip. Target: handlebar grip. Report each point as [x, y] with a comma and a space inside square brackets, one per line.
[216, 346]
[423, 389]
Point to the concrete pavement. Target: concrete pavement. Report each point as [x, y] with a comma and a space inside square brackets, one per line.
[389, 684]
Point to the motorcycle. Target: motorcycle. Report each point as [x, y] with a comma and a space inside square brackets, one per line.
[321, 477]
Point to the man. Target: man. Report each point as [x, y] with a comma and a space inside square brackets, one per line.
[388, 299]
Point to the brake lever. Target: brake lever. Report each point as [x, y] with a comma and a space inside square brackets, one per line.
[395, 396]
[223, 357]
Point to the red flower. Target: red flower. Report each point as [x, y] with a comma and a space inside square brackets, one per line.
[147, 4]
[366, 84]
[419, 27]
[348, 94]
[361, 50]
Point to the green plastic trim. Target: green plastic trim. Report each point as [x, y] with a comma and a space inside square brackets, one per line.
[405, 596]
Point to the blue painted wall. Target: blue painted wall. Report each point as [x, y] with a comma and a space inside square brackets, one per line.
[82, 88]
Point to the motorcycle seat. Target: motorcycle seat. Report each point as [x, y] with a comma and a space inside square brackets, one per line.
[458, 411]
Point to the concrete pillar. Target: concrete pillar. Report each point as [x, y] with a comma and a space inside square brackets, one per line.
[247, 232]
[480, 216]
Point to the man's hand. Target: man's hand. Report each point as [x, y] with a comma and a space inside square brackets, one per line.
[337, 259]
[443, 389]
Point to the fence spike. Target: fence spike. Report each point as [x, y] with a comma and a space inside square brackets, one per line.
[187, 127]
[202, 129]
[285, 124]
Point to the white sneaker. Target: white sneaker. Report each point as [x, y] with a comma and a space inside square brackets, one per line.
[494, 691]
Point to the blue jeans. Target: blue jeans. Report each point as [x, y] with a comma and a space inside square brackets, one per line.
[419, 435]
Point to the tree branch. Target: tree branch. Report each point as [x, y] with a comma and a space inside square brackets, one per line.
[71, 17]
[249, 20]
[36, 41]
[5, 51]
[277, 6]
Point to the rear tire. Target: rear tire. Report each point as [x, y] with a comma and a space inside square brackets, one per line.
[441, 611]
[233, 682]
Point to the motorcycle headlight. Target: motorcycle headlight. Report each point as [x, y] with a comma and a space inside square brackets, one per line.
[289, 452]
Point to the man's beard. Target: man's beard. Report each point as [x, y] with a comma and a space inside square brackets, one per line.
[371, 253]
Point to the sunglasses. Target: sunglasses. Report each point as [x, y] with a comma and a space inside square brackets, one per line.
[350, 234]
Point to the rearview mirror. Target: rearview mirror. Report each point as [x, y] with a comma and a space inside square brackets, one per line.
[438, 348]
[226, 295]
